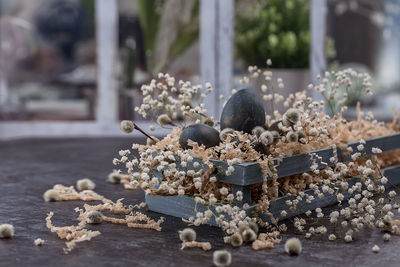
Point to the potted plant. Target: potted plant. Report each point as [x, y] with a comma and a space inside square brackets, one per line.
[279, 31]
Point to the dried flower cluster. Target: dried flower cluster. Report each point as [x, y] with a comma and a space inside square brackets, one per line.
[164, 168]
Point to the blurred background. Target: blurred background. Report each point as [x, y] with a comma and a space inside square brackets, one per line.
[75, 67]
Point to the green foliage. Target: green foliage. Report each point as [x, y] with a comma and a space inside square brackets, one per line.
[274, 29]
[149, 18]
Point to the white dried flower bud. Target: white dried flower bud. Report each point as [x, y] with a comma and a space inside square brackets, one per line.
[222, 258]
[293, 246]
[291, 136]
[164, 119]
[6, 230]
[187, 235]
[85, 184]
[375, 249]
[127, 126]
[94, 217]
[51, 195]
[39, 242]
[266, 138]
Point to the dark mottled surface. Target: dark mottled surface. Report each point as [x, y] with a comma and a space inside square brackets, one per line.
[29, 167]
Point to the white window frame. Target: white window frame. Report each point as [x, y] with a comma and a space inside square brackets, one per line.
[216, 59]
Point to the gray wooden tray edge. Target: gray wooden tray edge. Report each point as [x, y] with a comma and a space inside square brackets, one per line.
[184, 206]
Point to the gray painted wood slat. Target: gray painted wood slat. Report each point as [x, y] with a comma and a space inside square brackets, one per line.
[183, 206]
[248, 173]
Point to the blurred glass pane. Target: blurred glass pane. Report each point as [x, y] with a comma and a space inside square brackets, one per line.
[47, 60]
[156, 36]
[366, 38]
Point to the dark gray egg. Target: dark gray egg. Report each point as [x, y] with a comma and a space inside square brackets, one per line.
[200, 133]
[243, 111]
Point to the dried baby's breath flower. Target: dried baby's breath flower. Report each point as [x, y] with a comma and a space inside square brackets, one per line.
[236, 240]
[6, 230]
[127, 126]
[222, 258]
[51, 195]
[85, 184]
[94, 217]
[39, 242]
[187, 235]
[293, 246]
[164, 119]
[376, 150]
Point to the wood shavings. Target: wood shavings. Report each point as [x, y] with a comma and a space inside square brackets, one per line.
[78, 233]
[80, 236]
[69, 193]
[73, 234]
[117, 207]
[266, 240]
[195, 244]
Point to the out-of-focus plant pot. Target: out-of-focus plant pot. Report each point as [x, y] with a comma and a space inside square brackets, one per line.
[294, 80]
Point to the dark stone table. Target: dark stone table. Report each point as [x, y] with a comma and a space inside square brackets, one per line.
[30, 167]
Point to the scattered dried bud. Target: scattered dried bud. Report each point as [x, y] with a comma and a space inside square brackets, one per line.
[293, 246]
[85, 184]
[94, 217]
[39, 242]
[222, 258]
[187, 235]
[236, 240]
[248, 235]
[114, 178]
[51, 195]
[6, 230]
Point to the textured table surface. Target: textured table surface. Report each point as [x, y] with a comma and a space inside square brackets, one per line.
[30, 167]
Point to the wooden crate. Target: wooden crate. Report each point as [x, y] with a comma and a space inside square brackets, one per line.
[249, 173]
